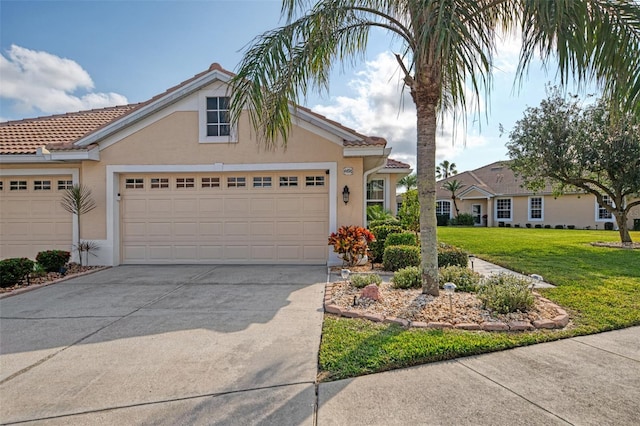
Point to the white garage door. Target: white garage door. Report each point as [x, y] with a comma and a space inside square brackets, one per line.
[31, 218]
[225, 217]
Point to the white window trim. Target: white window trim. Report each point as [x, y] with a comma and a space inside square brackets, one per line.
[532, 219]
[202, 118]
[450, 207]
[597, 210]
[495, 210]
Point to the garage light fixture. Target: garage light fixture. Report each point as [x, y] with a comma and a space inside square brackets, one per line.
[345, 194]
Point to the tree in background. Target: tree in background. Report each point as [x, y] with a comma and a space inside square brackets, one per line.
[446, 169]
[409, 213]
[78, 200]
[454, 186]
[445, 51]
[586, 148]
[409, 182]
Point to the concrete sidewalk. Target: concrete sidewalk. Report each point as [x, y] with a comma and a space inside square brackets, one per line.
[589, 380]
[487, 269]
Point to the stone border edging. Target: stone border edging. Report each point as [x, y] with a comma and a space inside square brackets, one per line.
[559, 321]
[59, 280]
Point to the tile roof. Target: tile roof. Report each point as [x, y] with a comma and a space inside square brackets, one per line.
[496, 178]
[59, 132]
[395, 164]
[26, 136]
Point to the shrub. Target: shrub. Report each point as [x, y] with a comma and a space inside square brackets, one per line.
[608, 226]
[559, 226]
[463, 219]
[571, 227]
[351, 242]
[538, 226]
[380, 222]
[381, 232]
[528, 225]
[442, 219]
[464, 278]
[452, 256]
[53, 260]
[363, 280]
[398, 257]
[409, 213]
[14, 270]
[401, 239]
[409, 277]
[547, 227]
[504, 293]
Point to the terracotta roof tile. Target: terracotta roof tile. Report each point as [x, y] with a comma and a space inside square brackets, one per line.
[395, 164]
[26, 136]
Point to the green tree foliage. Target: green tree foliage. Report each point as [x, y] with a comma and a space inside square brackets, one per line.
[78, 200]
[409, 213]
[446, 169]
[454, 186]
[445, 51]
[584, 148]
[409, 182]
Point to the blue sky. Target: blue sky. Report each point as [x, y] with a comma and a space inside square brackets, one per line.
[62, 56]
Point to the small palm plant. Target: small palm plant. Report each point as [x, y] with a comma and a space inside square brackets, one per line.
[78, 200]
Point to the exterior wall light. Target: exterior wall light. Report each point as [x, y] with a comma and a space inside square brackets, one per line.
[345, 194]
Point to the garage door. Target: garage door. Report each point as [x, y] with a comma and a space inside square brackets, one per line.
[31, 218]
[225, 218]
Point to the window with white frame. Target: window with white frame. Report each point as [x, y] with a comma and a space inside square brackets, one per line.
[41, 185]
[314, 180]
[443, 208]
[18, 185]
[262, 182]
[134, 183]
[184, 183]
[218, 120]
[375, 193]
[536, 208]
[64, 184]
[503, 208]
[601, 212]
[159, 183]
[210, 182]
[288, 181]
[236, 182]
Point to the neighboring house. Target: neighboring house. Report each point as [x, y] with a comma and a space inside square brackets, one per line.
[175, 183]
[495, 197]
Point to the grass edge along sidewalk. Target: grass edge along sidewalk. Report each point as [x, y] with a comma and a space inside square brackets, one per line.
[599, 286]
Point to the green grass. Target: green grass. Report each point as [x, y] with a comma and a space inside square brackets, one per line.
[600, 287]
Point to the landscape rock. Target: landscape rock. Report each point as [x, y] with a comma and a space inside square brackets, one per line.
[333, 309]
[468, 326]
[544, 323]
[439, 325]
[520, 326]
[371, 292]
[494, 326]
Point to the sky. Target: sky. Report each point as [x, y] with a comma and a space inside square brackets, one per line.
[65, 56]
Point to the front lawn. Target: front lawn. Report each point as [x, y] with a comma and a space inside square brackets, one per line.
[600, 287]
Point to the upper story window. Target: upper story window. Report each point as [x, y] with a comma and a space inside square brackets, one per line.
[536, 208]
[218, 123]
[18, 185]
[601, 212]
[503, 208]
[214, 118]
[41, 185]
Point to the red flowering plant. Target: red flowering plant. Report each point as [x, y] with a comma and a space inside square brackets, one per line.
[351, 242]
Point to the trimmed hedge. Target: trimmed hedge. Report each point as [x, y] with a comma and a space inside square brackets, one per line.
[451, 256]
[463, 219]
[379, 222]
[401, 239]
[14, 270]
[398, 257]
[442, 219]
[381, 232]
[53, 260]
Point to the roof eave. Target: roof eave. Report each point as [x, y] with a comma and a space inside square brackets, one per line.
[366, 151]
[146, 110]
[324, 125]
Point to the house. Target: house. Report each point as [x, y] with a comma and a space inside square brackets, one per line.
[494, 196]
[174, 182]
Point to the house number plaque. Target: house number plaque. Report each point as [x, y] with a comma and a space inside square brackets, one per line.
[348, 171]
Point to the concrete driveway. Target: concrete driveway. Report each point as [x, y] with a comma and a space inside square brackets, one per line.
[165, 345]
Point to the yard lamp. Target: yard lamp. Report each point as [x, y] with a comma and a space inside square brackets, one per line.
[449, 289]
[344, 273]
[345, 194]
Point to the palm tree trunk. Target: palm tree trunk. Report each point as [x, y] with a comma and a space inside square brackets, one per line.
[426, 171]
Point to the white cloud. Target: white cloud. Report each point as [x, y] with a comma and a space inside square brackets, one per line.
[379, 107]
[40, 81]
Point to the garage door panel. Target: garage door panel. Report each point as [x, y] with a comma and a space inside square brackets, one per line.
[222, 224]
[15, 208]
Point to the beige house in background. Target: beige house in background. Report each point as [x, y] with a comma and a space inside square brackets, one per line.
[175, 183]
[495, 197]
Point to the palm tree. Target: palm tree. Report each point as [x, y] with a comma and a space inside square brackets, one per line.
[454, 186]
[447, 50]
[446, 169]
[409, 182]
